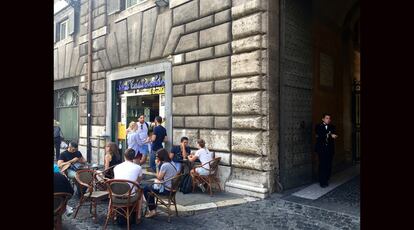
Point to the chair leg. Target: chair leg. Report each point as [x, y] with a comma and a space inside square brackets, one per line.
[108, 216]
[127, 217]
[169, 210]
[94, 212]
[175, 205]
[77, 208]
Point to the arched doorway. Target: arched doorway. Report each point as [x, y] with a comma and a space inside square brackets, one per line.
[336, 81]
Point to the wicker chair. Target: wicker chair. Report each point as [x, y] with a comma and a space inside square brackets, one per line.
[85, 178]
[124, 197]
[209, 179]
[168, 200]
[60, 199]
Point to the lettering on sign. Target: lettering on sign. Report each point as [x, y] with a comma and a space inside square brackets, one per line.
[151, 81]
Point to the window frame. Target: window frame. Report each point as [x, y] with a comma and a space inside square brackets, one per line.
[66, 23]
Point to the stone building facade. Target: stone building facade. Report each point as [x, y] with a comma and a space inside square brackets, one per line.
[223, 70]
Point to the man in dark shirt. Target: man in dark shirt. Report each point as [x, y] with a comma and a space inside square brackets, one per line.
[71, 156]
[325, 135]
[159, 136]
[61, 183]
[179, 153]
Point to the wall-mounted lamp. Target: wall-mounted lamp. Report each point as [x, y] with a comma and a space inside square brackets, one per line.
[161, 3]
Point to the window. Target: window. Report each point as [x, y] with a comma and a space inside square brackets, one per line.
[63, 29]
[66, 112]
[129, 3]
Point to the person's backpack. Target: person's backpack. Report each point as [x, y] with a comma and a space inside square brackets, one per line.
[186, 185]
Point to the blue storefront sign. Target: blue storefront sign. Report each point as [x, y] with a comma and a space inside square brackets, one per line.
[156, 80]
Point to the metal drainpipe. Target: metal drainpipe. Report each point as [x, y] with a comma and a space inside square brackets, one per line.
[89, 88]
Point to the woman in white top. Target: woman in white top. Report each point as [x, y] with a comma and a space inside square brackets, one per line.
[204, 155]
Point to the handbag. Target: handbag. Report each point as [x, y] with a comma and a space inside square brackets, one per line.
[159, 187]
[75, 166]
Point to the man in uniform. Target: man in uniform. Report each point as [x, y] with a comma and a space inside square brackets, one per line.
[325, 136]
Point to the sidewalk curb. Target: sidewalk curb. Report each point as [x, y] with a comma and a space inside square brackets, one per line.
[206, 207]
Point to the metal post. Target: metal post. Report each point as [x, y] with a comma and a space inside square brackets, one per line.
[89, 88]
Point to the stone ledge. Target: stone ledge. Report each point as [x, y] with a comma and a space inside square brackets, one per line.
[234, 188]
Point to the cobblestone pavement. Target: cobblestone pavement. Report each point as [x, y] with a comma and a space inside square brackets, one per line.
[339, 209]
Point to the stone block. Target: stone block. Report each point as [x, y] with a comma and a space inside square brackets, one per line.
[246, 8]
[248, 142]
[246, 64]
[247, 44]
[185, 13]
[187, 42]
[246, 103]
[247, 161]
[162, 30]
[181, 105]
[246, 83]
[199, 122]
[112, 50]
[178, 90]
[175, 3]
[178, 121]
[225, 157]
[223, 16]
[198, 55]
[247, 122]
[214, 104]
[103, 57]
[199, 88]
[247, 26]
[121, 33]
[99, 21]
[199, 24]
[222, 50]
[149, 20]
[97, 130]
[185, 73]
[178, 59]
[98, 97]
[222, 122]
[222, 86]
[211, 6]
[223, 174]
[214, 69]
[134, 36]
[192, 135]
[98, 109]
[215, 35]
[98, 86]
[260, 177]
[173, 39]
[216, 139]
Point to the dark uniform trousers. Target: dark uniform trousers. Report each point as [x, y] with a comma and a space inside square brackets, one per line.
[325, 149]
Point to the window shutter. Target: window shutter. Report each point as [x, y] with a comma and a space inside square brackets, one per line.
[71, 23]
[115, 6]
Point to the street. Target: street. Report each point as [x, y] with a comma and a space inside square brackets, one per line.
[338, 209]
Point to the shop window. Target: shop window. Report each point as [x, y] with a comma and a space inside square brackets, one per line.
[66, 112]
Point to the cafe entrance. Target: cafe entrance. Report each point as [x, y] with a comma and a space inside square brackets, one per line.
[143, 95]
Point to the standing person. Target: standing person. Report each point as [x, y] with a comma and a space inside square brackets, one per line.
[325, 135]
[142, 139]
[58, 135]
[166, 172]
[180, 152]
[132, 128]
[112, 157]
[159, 136]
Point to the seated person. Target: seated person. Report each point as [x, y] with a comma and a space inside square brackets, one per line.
[112, 158]
[166, 172]
[128, 170]
[204, 155]
[56, 168]
[179, 153]
[62, 184]
[71, 156]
